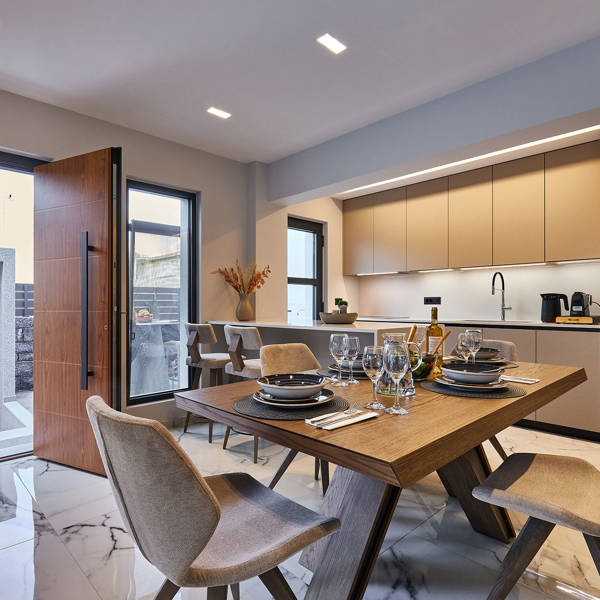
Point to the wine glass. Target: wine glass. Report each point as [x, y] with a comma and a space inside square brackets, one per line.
[473, 338]
[372, 361]
[352, 349]
[396, 361]
[462, 347]
[337, 347]
[407, 387]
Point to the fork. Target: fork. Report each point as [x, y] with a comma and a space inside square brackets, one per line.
[355, 408]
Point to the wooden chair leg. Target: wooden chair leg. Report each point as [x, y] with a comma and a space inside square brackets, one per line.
[217, 593]
[219, 376]
[196, 380]
[324, 475]
[524, 548]
[275, 582]
[317, 463]
[498, 447]
[213, 377]
[594, 547]
[187, 422]
[226, 438]
[167, 591]
[235, 591]
[210, 431]
[283, 467]
[255, 449]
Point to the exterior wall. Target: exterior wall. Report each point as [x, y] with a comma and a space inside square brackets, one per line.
[23, 353]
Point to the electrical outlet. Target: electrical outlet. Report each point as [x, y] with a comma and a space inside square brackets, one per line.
[432, 300]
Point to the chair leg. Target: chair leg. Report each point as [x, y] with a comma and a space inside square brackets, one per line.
[210, 431]
[275, 582]
[226, 438]
[524, 548]
[235, 591]
[187, 422]
[196, 380]
[317, 463]
[594, 547]
[283, 467]
[217, 593]
[255, 449]
[167, 591]
[212, 377]
[324, 475]
[498, 447]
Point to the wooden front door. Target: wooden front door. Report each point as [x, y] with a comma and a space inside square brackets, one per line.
[74, 289]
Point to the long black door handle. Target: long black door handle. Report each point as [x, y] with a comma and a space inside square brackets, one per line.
[84, 310]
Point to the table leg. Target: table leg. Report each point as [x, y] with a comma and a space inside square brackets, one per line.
[463, 474]
[342, 562]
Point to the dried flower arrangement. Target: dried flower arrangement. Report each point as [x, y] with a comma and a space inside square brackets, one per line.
[244, 281]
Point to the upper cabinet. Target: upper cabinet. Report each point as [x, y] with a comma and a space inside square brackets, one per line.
[518, 215]
[358, 235]
[573, 202]
[470, 218]
[427, 225]
[389, 227]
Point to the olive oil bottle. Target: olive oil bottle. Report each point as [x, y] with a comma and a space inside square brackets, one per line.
[434, 331]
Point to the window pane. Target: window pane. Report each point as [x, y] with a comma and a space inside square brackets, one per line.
[158, 239]
[301, 253]
[300, 302]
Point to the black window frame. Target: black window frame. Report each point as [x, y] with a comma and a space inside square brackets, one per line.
[317, 282]
[192, 198]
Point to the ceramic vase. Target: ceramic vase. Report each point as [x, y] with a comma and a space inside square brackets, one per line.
[244, 310]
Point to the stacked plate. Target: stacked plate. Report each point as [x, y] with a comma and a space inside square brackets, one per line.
[293, 390]
[357, 369]
[472, 377]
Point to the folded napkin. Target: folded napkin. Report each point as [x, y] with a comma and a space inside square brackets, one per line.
[515, 379]
[319, 419]
[351, 419]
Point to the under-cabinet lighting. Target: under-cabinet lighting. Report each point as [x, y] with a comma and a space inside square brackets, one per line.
[503, 266]
[381, 273]
[466, 161]
[331, 43]
[217, 112]
[434, 270]
[582, 260]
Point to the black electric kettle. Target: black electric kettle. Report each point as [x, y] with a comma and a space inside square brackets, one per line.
[551, 306]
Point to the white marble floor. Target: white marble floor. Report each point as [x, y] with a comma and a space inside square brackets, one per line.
[61, 536]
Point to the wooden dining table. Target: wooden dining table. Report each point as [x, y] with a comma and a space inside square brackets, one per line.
[379, 457]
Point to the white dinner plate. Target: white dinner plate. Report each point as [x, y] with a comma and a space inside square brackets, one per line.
[463, 376]
[472, 387]
[324, 396]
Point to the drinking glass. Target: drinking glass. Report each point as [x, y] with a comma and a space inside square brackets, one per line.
[462, 347]
[337, 347]
[352, 350]
[372, 361]
[416, 358]
[473, 338]
[396, 361]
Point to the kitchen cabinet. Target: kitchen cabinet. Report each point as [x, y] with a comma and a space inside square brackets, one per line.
[580, 407]
[358, 235]
[573, 202]
[470, 218]
[518, 211]
[427, 225]
[389, 231]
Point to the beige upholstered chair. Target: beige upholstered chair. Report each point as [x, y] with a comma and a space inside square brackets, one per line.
[198, 531]
[552, 490]
[292, 358]
[203, 333]
[238, 339]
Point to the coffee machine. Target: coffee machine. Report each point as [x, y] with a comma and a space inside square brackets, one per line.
[580, 304]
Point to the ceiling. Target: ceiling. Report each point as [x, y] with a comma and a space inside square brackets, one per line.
[156, 66]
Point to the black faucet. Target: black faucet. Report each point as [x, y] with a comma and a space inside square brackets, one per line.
[503, 308]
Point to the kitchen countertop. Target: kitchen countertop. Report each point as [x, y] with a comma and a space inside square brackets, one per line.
[361, 326]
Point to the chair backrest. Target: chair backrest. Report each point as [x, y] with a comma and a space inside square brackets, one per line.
[508, 350]
[198, 333]
[251, 339]
[165, 502]
[287, 358]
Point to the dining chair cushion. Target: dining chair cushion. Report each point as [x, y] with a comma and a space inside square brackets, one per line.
[558, 489]
[251, 370]
[287, 358]
[251, 339]
[213, 360]
[258, 529]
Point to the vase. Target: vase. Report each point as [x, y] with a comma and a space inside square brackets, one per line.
[244, 310]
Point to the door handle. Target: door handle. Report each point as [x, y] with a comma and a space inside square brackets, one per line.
[85, 247]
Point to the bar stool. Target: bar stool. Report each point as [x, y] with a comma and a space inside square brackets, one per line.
[203, 333]
[238, 339]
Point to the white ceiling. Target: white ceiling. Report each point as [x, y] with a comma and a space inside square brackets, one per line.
[156, 66]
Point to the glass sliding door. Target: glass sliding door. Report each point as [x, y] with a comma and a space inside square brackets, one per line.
[161, 289]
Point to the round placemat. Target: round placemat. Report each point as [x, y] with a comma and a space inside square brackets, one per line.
[513, 391]
[250, 407]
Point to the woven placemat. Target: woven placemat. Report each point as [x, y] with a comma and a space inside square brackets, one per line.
[513, 391]
[250, 407]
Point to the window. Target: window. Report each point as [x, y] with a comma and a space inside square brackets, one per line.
[161, 258]
[305, 269]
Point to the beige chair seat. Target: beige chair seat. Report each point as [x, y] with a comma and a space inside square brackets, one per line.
[213, 360]
[558, 489]
[251, 370]
[270, 528]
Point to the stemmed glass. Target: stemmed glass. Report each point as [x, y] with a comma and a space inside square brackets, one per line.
[407, 387]
[396, 360]
[372, 362]
[352, 350]
[473, 339]
[337, 347]
[462, 347]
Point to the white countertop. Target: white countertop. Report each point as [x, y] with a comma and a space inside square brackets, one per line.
[360, 326]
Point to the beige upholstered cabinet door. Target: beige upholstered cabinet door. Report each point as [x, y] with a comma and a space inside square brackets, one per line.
[427, 225]
[358, 235]
[470, 218]
[518, 211]
[573, 202]
[389, 230]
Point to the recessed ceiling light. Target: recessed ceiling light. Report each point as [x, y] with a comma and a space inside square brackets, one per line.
[217, 112]
[331, 43]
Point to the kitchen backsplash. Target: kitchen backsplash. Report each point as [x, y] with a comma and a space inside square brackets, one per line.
[466, 294]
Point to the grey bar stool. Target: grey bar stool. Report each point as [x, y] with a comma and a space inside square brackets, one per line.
[203, 333]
